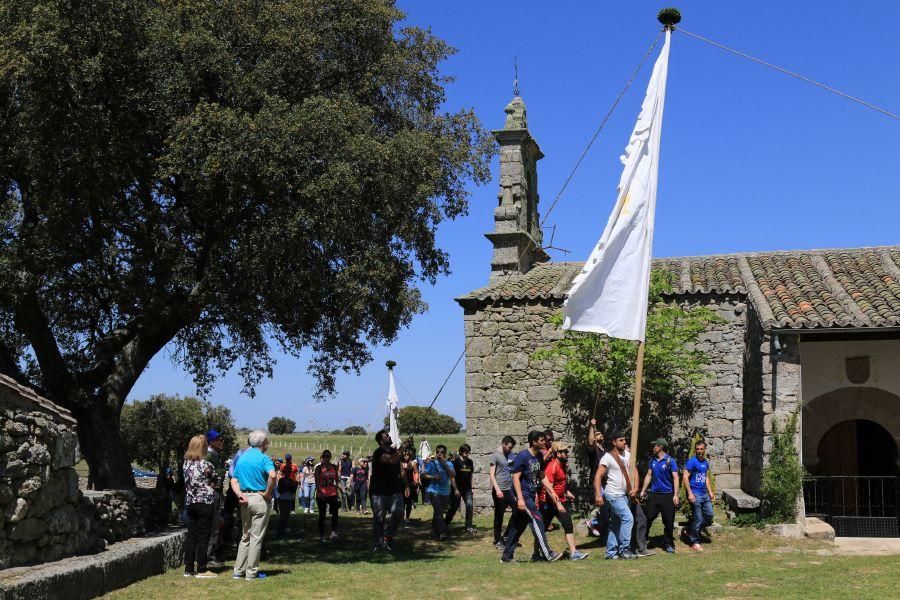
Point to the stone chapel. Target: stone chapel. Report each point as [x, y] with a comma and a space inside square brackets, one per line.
[814, 329]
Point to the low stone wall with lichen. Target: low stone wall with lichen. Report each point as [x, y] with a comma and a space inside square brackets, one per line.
[44, 516]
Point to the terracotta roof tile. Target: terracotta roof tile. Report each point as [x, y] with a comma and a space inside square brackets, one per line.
[801, 289]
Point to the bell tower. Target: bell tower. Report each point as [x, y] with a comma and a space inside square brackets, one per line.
[517, 233]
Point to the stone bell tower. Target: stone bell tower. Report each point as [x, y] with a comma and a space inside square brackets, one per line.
[517, 234]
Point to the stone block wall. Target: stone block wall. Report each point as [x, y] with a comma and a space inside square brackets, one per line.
[720, 402]
[44, 516]
[123, 514]
[508, 392]
[42, 513]
[772, 391]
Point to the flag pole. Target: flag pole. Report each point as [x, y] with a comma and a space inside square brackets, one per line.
[636, 411]
[669, 17]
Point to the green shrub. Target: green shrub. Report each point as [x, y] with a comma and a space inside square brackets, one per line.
[782, 479]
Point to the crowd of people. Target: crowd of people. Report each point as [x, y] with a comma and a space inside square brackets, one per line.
[532, 484]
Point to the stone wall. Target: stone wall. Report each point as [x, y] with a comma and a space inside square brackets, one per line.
[719, 403]
[44, 516]
[772, 391]
[42, 513]
[508, 392]
[123, 514]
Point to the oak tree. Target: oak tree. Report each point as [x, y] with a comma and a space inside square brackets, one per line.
[218, 177]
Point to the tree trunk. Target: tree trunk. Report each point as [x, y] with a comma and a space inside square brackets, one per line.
[102, 447]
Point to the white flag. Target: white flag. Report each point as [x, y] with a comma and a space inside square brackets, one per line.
[393, 405]
[609, 295]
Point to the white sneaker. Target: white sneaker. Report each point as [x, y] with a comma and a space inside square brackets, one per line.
[333, 535]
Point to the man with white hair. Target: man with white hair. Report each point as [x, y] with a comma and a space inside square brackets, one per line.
[253, 484]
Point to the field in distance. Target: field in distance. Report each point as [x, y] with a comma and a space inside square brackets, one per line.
[312, 444]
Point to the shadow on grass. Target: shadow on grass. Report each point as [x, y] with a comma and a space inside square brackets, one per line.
[355, 542]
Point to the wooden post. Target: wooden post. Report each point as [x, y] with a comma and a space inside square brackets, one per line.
[636, 414]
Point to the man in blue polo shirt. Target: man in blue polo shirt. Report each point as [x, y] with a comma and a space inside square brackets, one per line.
[253, 484]
[662, 477]
[696, 479]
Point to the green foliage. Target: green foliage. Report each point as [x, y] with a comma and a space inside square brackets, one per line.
[281, 425]
[421, 419]
[354, 430]
[600, 370]
[156, 431]
[210, 175]
[782, 477]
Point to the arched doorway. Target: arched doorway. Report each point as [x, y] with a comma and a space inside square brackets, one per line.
[851, 438]
[857, 447]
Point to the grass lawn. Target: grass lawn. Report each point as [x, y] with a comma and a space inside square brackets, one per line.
[739, 563]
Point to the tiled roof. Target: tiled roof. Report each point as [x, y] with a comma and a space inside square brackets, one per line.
[797, 289]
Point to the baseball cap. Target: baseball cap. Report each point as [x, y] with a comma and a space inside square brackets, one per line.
[660, 442]
[212, 435]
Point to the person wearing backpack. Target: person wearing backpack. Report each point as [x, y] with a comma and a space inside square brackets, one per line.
[286, 486]
[662, 480]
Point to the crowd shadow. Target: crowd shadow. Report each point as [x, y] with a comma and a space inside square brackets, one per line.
[355, 542]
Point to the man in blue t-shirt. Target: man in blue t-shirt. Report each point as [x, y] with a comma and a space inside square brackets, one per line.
[662, 479]
[440, 477]
[527, 478]
[696, 480]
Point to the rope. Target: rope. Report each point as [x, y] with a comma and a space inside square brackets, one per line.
[560, 193]
[792, 74]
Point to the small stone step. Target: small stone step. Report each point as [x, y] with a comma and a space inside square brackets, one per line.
[817, 529]
[740, 501]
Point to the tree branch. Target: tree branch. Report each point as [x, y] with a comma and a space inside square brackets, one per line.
[59, 381]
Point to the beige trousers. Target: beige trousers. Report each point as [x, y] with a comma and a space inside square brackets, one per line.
[254, 519]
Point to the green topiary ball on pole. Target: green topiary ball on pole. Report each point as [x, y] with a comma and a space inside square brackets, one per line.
[390, 364]
[669, 17]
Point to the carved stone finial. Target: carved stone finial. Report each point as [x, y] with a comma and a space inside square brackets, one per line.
[515, 114]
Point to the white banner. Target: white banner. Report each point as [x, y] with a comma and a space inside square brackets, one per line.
[609, 295]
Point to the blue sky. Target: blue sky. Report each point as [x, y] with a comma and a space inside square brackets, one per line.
[752, 160]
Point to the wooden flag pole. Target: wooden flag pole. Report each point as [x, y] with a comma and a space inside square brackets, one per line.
[636, 413]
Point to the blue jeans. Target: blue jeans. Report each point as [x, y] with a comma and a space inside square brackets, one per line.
[620, 523]
[701, 517]
[307, 491]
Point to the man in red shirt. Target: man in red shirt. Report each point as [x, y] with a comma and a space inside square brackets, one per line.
[556, 472]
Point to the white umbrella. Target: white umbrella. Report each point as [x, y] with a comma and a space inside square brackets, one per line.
[393, 407]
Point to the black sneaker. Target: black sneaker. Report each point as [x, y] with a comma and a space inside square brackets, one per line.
[499, 545]
[612, 557]
[627, 555]
[554, 556]
[537, 558]
[388, 542]
[505, 560]
[642, 553]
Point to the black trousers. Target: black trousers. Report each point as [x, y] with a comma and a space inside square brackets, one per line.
[285, 506]
[500, 506]
[640, 528]
[198, 532]
[332, 504]
[549, 511]
[439, 504]
[662, 504]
